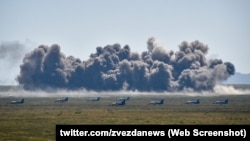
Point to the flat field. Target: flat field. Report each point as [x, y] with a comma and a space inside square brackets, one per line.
[37, 118]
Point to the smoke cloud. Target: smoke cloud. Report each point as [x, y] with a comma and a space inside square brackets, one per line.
[115, 68]
[11, 54]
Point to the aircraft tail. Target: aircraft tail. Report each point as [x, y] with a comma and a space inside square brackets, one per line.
[22, 101]
[226, 101]
[162, 101]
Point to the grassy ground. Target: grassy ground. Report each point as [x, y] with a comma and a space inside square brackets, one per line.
[37, 118]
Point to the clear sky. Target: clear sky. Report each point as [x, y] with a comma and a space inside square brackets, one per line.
[79, 26]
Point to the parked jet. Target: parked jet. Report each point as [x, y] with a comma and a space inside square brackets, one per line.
[95, 99]
[21, 101]
[120, 103]
[62, 100]
[157, 102]
[193, 102]
[124, 98]
[221, 102]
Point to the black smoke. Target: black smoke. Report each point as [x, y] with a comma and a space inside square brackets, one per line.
[114, 67]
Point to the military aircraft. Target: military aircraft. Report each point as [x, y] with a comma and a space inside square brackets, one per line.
[124, 98]
[157, 102]
[119, 103]
[220, 102]
[94, 99]
[62, 100]
[21, 101]
[193, 102]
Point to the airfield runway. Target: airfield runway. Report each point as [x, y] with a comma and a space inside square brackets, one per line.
[36, 118]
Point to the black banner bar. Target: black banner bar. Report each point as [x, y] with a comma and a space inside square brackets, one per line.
[79, 132]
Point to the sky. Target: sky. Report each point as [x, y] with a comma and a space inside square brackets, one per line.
[79, 26]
